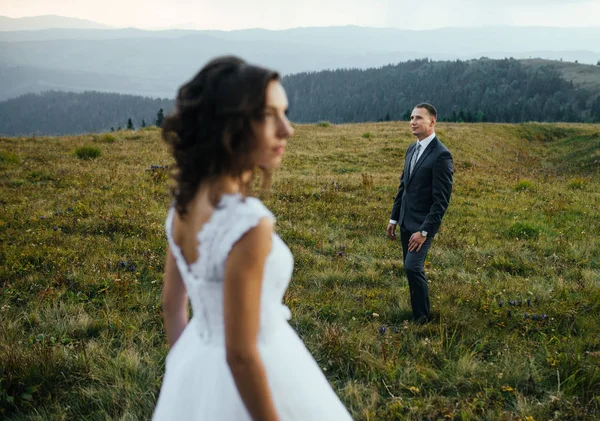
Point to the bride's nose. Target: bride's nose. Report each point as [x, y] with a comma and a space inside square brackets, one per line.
[285, 128]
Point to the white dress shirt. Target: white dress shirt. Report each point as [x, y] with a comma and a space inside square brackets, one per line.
[424, 143]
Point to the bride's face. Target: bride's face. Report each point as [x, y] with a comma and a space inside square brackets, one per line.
[274, 128]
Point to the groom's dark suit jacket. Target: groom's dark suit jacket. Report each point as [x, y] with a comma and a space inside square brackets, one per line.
[423, 198]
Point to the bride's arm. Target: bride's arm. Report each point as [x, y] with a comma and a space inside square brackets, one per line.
[175, 301]
[242, 290]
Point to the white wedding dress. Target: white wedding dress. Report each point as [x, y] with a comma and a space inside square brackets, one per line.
[198, 384]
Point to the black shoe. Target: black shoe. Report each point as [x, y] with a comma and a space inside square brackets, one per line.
[422, 320]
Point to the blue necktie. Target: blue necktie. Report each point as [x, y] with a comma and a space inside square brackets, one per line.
[413, 160]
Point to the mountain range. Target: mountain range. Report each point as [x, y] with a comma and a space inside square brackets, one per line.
[54, 53]
[33, 23]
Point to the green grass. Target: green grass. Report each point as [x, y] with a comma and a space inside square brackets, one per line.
[514, 274]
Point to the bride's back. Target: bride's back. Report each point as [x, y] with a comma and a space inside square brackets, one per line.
[185, 230]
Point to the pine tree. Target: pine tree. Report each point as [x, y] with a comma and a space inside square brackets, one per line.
[160, 117]
[595, 110]
[143, 123]
[469, 117]
[129, 124]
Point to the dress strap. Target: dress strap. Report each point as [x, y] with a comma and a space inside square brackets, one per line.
[238, 217]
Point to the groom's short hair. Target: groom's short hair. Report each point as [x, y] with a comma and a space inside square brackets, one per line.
[430, 108]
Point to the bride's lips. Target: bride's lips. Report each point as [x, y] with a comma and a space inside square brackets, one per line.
[278, 150]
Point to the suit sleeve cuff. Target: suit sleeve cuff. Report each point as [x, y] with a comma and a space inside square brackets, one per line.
[393, 222]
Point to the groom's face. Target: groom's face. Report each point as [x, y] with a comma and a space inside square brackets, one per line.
[421, 123]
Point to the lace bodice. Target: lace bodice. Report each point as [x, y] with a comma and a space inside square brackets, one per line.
[203, 279]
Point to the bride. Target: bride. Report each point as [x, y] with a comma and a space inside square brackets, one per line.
[237, 358]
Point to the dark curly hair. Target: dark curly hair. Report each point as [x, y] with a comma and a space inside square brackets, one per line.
[210, 133]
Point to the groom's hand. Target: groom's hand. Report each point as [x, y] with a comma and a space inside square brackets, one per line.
[391, 231]
[416, 241]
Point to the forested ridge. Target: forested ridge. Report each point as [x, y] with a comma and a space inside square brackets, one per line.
[478, 90]
[62, 113]
[481, 90]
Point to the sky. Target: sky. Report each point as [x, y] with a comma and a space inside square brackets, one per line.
[283, 14]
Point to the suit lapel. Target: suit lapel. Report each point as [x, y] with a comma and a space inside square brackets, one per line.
[424, 155]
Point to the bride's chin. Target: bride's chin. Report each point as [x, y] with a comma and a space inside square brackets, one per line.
[273, 165]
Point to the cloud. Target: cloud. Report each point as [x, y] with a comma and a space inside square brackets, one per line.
[459, 13]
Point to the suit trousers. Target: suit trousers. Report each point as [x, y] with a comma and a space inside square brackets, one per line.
[414, 266]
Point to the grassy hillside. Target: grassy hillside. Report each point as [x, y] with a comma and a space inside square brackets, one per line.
[515, 273]
[586, 76]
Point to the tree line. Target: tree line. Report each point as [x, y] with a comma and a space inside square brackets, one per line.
[463, 91]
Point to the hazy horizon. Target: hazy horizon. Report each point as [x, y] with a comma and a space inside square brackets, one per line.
[185, 25]
[285, 14]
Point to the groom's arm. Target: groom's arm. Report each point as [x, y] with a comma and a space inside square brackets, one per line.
[391, 228]
[395, 216]
[443, 171]
[397, 202]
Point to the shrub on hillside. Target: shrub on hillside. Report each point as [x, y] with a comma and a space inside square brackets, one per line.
[578, 183]
[465, 165]
[87, 152]
[367, 180]
[8, 158]
[525, 185]
[158, 173]
[523, 230]
[106, 138]
[544, 132]
[511, 264]
[323, 124]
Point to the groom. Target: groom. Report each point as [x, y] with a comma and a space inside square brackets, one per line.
[422, 200]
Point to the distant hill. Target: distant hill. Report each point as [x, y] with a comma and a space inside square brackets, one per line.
[89, 34]
[583, 76]
[46, 22]
[20, 80]
[474, 90]
[59, 113]
[160, 61]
